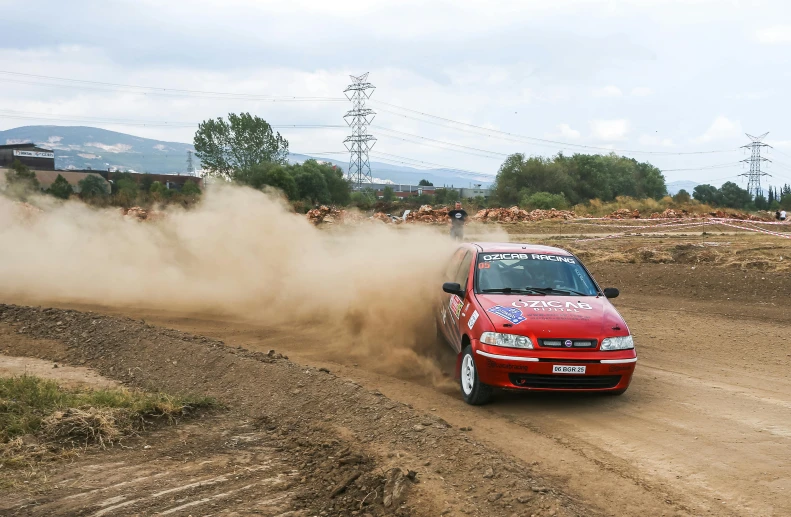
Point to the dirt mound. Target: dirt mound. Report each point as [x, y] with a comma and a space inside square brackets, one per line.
[354, 451]
[624, 213]
[429, 215]
[518, 215]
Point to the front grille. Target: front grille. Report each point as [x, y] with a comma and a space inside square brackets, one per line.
[562, 343]
[564, 382]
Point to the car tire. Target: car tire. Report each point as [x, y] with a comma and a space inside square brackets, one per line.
[473, 390]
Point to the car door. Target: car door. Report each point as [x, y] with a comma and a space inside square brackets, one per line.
[456, 304]
[443, 320]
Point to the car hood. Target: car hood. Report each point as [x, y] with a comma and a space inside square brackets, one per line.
[553, 316]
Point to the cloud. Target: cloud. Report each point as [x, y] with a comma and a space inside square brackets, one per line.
[721, 129]
[642, 91]
[608, 91]
[566, 131]
[117, 148]
[653, 140]
[774, 35]
[609, 129]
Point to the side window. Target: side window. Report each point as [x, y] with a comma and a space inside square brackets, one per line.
[464, 271]
[453, 265]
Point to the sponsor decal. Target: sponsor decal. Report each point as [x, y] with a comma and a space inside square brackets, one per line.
[527, 256]
[34, 154]
[568, 343]
[516, 367]
[552, 306]
[455, 305]
[513, 315]
[473, 319]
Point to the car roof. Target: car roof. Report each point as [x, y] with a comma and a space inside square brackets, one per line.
[516, 247]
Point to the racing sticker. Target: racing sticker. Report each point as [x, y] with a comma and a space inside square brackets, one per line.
[526, 256]
[550, 306]
[473, 319]
[511, 314]
[455, 305]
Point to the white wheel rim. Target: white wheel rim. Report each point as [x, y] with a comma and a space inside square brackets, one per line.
[467, 374]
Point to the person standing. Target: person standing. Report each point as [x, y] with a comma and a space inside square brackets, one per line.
[782, 215]
[458, 218]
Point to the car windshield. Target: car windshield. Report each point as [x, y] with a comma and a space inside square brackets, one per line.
[532, 273]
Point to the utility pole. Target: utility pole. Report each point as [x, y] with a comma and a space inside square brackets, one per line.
[754, 176]
[359, 143]
[190, 167]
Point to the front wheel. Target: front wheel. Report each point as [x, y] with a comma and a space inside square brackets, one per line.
[473, 390]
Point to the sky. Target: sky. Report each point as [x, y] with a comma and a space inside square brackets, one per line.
[459, 84]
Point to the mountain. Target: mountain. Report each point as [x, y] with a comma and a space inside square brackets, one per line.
[674, 186]
[82, 147]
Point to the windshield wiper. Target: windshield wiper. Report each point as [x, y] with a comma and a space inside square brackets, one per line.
[509, 290]
[546, 290]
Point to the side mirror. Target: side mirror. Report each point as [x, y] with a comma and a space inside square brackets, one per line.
[611, 292]
[453, 288]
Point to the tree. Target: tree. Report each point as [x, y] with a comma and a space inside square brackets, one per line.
[364, 199]
[158, 191]
[338, 187]
[425, 183]
[92, 187]
[732, 195]
[272, 175]
[125, 190]
[388, 194]
[761, 203]
[311, 185]
[705, 194]
[145, 183]
[544, 200]
[682, 197]
[60, 188]
[242, 142]
[21, 175]
[190, 188]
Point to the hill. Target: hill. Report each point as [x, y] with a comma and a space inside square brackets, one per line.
[82, 147]
[674, 186]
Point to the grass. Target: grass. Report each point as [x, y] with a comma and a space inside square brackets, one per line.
[30, 405]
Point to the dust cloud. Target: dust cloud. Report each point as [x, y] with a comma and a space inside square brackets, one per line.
[368, 289]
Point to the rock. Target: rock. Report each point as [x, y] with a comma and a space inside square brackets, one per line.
[418, 428]
[524, 498]
[494, 496]
[489, 473]
[395, 488]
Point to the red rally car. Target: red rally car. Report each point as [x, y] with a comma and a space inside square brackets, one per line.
[531, 317]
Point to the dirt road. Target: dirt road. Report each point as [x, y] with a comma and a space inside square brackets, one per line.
[705, 428]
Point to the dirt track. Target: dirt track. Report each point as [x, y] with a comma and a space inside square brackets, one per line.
[704, 430]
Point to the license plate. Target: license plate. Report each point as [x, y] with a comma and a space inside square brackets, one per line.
[560, 368]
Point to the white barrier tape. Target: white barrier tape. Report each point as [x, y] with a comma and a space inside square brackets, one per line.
[760, 230]
[678, 219]
[624, 234]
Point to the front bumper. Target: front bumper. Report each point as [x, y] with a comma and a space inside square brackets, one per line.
[533, 369]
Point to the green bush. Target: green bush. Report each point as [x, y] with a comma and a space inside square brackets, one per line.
[544, 200]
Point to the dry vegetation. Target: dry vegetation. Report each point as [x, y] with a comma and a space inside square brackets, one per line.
[42, 421]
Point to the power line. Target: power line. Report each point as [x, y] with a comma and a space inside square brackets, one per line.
[129, 88]
[720, 166]
[530, 138]
[122, 122]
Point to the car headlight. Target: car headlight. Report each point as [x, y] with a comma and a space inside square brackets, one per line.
[508, 340]
[617, 343]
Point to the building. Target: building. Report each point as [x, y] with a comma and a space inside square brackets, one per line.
[35, 157]
[474, 191]
[170, 181]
